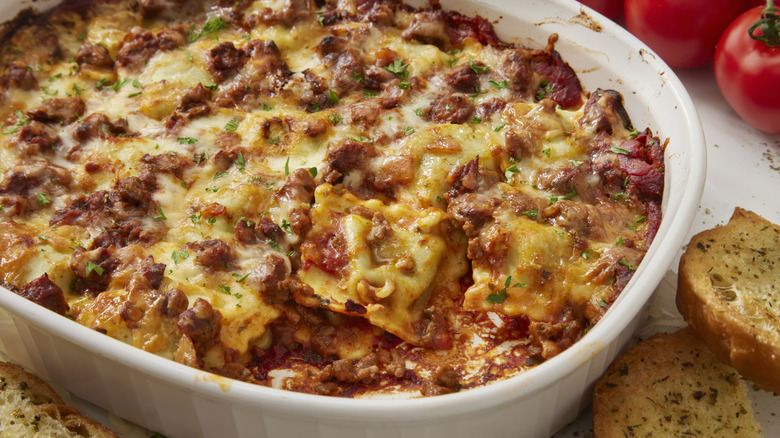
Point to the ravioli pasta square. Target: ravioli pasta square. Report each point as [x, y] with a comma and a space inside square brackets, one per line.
[348, 198]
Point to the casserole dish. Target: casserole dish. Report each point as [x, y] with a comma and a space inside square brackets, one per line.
[179, 401]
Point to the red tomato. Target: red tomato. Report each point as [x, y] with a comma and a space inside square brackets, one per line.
[608, 8]
[682, 32]
[748, 74]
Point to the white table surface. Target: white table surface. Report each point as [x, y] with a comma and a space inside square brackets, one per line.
[743, 170]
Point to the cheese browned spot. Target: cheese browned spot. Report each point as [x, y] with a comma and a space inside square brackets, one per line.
[348, 200]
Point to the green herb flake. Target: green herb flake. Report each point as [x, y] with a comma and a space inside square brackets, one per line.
[195, 218]
[334, 98]
[335, 118]
[576, 163]
[287, 166]
[544, 89]
[532, 213]
[618, 150]
[224, 289]
[510, 172]
[313, 172]
[187, 140]
[219, 175]
[43, 199]
[212, 26]
[286, 226]
[499, 127]
[498, 85]
[232, 125]
[476, 120]
[408, 130]
[241, 278]
[399, 69]
[179, 256]
[92, 266]
[368, 94]
[160, 214]
[619, 241]
[240, 163]
[478, 68]
[625, 263]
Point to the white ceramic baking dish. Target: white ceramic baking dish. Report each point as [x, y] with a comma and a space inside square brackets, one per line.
[182, 402]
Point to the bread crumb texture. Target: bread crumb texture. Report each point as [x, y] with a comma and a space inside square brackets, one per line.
[743, 260]
[29, 407]
[671, 385]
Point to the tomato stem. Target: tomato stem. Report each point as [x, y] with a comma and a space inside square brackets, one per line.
[768, 24]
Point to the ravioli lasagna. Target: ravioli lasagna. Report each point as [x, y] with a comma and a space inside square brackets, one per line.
[349, 198]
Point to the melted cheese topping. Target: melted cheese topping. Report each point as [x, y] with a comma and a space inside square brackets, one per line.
[389, 253]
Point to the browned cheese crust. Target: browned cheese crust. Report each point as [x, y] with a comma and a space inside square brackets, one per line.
[728, 292]
[341, 197]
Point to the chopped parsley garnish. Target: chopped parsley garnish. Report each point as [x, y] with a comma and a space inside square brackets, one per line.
[641, 219]
[532, 213]
[399, 69]
[357, 77]
[476, 120]
[619, 241]
[408, 130]
[618, 150]
[224, 289]
[510, 172]
[187, 140]
[101, 83]
[21, 120]
[274, 245]
[335, 118]
[274, 140]
[633, 133]
[576, 163]
[570, 195]
[218, 175]
[544, 90]
[119, 84]
[368, 94]
[240, 163]
[195, 218]
[477, 67]
[286, 226]
[212, 26]
[625, 263]
[334, 98]
[179, 256]
[546, 151]
[498, 85]
[232, 125]
[501, 295]
[499, 127]
[43, 199]
[418, 112]
[404, 85]
[160, 214]
[287, 166]
[92, 266]
[452, 61]
[313, 172]
[241, 278]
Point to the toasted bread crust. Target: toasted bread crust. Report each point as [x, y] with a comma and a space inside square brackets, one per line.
[671, 385]
[30, 397]
[745, 252]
